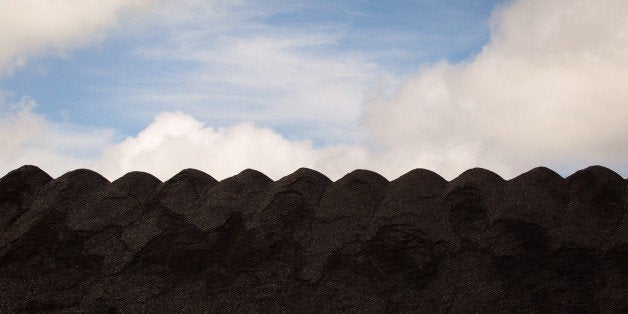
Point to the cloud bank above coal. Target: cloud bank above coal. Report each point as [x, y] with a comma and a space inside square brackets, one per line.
[545, 90]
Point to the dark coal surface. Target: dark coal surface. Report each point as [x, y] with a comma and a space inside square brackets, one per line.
[479, 243]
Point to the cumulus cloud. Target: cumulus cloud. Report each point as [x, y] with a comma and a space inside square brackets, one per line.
[175, 140]
[548, 89]
[29, 138]
[32, 27]
[172, 142]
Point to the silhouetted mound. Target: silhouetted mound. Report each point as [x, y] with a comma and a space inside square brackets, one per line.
[538, 176]
[18, 189]
[137, 184]
[536, 243]
[477, 177]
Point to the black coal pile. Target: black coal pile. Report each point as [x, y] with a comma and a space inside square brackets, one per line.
[479, 243]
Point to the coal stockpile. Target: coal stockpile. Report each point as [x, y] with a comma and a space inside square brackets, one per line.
[479, 243]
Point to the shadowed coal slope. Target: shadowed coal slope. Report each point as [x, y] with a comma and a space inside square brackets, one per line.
[479, 243]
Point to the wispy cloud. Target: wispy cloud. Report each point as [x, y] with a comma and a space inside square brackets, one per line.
[231, 64]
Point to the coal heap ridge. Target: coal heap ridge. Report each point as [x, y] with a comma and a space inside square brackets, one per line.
[419, 243]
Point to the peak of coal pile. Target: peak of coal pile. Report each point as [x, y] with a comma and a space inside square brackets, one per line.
[479, 243]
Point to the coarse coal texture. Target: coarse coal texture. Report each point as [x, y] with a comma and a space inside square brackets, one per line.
[478, 243]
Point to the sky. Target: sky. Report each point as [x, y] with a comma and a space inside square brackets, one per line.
[390, 86]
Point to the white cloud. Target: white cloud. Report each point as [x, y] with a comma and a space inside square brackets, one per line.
[174, 141]
[33, 27]
[548, 89]
[29, 138]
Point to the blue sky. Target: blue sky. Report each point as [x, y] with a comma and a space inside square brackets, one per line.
[384, 85]
[86, 85]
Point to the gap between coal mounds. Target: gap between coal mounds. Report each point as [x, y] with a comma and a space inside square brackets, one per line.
[535, 243]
